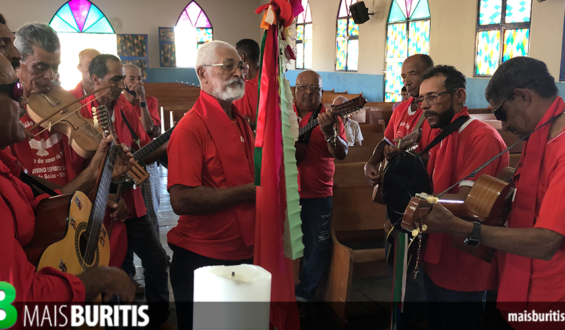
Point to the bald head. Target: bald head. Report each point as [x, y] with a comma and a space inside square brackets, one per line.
[308, 91]
[340, 100]
[84, 59]
[413, 69]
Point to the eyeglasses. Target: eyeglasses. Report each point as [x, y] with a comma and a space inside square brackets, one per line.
[230, 67]
[499, 114]
[312, 88]
[15, 90]
[432, 98]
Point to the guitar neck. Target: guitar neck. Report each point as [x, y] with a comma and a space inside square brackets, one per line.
[101, 198]
[142, 153]
[310, 126]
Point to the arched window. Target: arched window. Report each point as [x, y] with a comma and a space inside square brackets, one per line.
[80, 25]
[505, 22]
[192, 30]
[304, 38]
[408, 33]
[347, 39]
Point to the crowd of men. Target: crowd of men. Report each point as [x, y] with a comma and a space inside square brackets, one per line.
[211, 179]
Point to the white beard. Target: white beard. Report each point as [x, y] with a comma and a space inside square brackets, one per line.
[231, 90]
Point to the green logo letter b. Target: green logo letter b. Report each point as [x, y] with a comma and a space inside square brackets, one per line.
[8, 313]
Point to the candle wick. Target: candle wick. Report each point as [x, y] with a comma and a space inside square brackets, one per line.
[232, 274]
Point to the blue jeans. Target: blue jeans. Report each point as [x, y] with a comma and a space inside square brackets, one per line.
[316, 214]
[449, 309]
[414, 312]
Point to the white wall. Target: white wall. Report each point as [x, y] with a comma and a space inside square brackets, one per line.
[232, 19]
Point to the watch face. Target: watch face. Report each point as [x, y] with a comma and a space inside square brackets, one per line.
[473, 242]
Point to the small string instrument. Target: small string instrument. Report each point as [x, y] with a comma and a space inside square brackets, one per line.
[350, 107]
[407, 143]
[488, 202]
[59, 111]
[101, 118]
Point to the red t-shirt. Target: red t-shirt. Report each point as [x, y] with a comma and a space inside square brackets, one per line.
[48, 155]
[247, 105]
[17, 207]
[546, 283]
[152, 106]
[132, 197]
[477, 142]
[194, 161]
[403, 121]
[78, 91]
[316, 170]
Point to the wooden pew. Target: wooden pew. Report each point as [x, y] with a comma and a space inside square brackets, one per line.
[362, 153]
[480, 110]
[483, 116]
[358, 238]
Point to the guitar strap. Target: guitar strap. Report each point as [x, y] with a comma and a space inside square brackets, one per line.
[420, 121]
[133, 135]
[306, 137]
[33, 183]
[455, 125]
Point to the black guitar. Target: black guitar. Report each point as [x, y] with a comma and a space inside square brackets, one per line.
[342, 110]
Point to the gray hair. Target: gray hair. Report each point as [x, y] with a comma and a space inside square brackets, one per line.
[39, 34]
[207, 53]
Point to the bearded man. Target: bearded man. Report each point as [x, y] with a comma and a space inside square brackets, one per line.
[211, 176]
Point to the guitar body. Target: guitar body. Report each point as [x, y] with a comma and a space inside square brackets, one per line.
[59, 242]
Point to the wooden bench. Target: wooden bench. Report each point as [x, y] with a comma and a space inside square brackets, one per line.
[362, 153]
[358, 237]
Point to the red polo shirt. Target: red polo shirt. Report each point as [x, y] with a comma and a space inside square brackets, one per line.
[17, 207]
[78, 91]
[316, 170]
[403, 121]
[194, 161]
[152, 106]
[132, 197]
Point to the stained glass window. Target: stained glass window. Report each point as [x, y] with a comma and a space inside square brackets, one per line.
[304, 38]
[408, 33]
[347, 39]
[503, 32]
[193, 29]
[80, 16]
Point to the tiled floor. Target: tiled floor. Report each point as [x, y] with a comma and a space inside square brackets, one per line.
[372, 294]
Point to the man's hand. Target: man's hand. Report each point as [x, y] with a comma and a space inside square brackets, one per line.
[156, 131]
[391, 151]
[372, 174]
[326, 121]
[108, 281]
[439, 220]
[124, 158]
[121, 209]
[387, 226]
[139, 91]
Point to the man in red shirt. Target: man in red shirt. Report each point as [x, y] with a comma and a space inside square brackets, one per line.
[85, 85]
[451, 275]
[250, 53]
[17, 223]
[531, 256]
[107, 70]
[146, 107]
[403, 121]
[315, 153]
[211, 177]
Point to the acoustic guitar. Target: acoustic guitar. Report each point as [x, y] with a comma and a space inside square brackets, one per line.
[488, 202]
[69, 232]
[407, 143]
[350, 107]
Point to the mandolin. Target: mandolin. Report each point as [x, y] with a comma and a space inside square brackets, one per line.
[101, 118]
[69, 231]
[350, 107]
[407, 143]
[83, 137]
[488, 202]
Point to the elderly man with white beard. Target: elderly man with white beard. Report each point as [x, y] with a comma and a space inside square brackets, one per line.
[211, 177]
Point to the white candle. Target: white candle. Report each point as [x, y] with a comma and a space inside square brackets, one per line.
[231, 297]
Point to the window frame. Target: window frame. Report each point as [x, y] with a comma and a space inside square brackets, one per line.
[502, 27]
[197, 28]
[303, 41]
[347, 39]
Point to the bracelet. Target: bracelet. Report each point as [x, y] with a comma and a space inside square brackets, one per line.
[143, 104]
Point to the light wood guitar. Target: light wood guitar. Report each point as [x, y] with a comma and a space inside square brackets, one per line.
[407, 143]
[488, 202]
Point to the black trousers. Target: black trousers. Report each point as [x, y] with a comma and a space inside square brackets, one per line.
[183, 265]
[143, 240]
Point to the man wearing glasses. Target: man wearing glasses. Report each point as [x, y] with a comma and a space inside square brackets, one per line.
[451, 275]
[211, 177]
[315, 153]
[531, 254]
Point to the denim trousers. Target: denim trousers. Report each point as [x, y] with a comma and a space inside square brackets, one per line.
[143, 240]
[449, 309]
[414, 311]
[183, 265]
[316, 214]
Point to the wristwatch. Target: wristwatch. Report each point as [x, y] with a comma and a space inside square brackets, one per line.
[143, 104]
[331, 139]
[475, 238]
